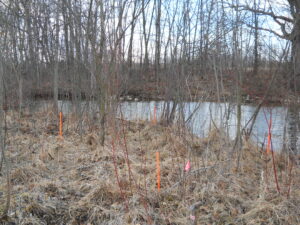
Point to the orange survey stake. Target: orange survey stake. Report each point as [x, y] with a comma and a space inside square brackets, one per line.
[158, 170]
[154, 115]
[60, 124]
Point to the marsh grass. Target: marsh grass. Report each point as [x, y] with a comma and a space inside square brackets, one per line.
[73, 181]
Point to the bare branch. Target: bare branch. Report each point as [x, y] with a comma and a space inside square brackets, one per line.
[271, 31]
[279, 19]
[263, 12]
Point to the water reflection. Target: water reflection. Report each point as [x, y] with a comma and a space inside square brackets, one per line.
[293, 128]
[206, 114]
[221, 114]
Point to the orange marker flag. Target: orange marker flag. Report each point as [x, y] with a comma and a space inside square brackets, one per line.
[60, 124]
[269, 144]
[158, 170]
[154, 115]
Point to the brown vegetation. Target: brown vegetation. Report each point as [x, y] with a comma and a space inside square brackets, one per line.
[77, 181]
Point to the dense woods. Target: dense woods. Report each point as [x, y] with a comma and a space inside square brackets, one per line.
[106, 52]
[80, 48]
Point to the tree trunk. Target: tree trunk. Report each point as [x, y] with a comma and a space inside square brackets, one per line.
[3, 159]
[255, 52]
[55, 81]
[1, 116]
[130, 48]
[295, 81]
[101, 89]
[293, 121]
[157, 38]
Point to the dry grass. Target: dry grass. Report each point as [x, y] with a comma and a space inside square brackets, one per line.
[74, 181]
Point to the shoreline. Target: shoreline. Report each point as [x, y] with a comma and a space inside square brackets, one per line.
[142, 97]
[75, 180]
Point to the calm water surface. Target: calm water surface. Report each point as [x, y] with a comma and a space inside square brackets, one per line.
[222, 114]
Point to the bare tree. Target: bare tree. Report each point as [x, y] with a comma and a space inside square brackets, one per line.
[157, 36]
[290, 30]
[3, 159]
[100, 73]
[133, 23]
[256, 40]
[56, 61]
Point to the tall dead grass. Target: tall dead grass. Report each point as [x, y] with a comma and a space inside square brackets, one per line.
[77, 181]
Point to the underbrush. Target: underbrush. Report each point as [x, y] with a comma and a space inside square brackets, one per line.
[74, 180]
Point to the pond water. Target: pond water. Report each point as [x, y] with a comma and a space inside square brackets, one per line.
[222, 115]
[205, 114]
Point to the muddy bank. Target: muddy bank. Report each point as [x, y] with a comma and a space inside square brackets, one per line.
[197, 90]
[74, 180]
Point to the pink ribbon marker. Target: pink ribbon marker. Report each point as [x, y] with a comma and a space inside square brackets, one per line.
[192, 217]
[187, 166]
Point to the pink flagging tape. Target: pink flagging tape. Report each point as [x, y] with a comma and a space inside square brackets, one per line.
[187, 166]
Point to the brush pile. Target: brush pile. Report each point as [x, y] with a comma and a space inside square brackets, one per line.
[76, 181]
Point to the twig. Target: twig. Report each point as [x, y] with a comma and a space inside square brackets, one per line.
[126, 154]
[117, 175]
[290, 180]
[274, 169]
[192, 209]
[193, 172]
[3, 136]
